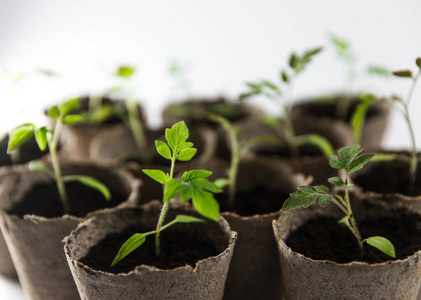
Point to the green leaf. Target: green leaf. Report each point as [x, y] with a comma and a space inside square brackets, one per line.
[190, 175]
[284, 76]
[359, 162]
[384, 157]
[157, 175]
[222, 182]
[418, 62]
[403, 73]
[163, 149]
[248, 95]
[72, 119]
[90, 182]
[41, 137]
[203, 201]
[53, 112]
[177, 135]
[188, 219]
[270, 85]
[67, 107]
[186, 154]
[383, 244]
[129, 246]
[38, 165]
[20, 135]
[336, 162]
[320, 142]
[185, 145]
[358, 118]
[344, 221]
[378, 70]
[172, 189]
[339, 42]
[205, 184]
[292, 60]
[348, 153]
[336, 181]
[125, 71]
[256, 88]
[305, 196]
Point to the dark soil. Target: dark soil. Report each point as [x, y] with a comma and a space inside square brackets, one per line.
[304, 150]
[328, 110]
[191, 111]
[27, 152]
[323, 239]
[389, 177]
[44, 200]
[177, 250]
[257, 201]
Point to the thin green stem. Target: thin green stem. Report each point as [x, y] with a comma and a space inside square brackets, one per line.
[353, 223]
[235, 161]
[136, 127]
[340, 205]
[163, 213]
[95, 102]
[52, 145]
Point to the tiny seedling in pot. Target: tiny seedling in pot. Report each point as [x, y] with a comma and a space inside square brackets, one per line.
[194, 185]
[44, 137]
[350, 161]
[281, 94]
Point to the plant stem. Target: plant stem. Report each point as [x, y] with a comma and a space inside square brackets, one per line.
[289, 132]
[56, 165]
[354, 228]
[235, 161]
[136, 125]
[95, 100]
[163, 212]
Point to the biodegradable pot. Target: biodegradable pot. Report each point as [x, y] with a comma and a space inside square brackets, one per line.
[27, 152]
[34, 231]
[117, 144]
[391, 180]
[255, 272]
[239, 114]
[319, 117]
[76, 138]
[306, 278]
[204, 281]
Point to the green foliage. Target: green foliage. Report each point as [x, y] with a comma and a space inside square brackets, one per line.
[176, 139]
[125, 71]
[348, 159]
[403, 73]
[382, 244]
[20, 135]
[342, 48]
[307, 195]
[358, 117]
[157, 175]
[378, 70]
[90, 182]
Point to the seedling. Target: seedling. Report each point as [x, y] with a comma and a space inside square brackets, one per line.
[193, 185]
[46, 137]
[350, 161]
[281, 94]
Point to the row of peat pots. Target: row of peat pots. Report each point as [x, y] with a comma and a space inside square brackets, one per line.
[254, 251]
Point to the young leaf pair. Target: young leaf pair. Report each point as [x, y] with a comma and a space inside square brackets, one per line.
[194, 185]
[350, 161]
[44, 137]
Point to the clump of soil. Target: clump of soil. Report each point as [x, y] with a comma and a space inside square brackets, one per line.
[323, 239]
[44, 200]
[177, 250]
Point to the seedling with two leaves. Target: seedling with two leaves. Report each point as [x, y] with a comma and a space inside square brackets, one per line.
[44, 137]
[194, 185]
[350, 161]
[281, 95]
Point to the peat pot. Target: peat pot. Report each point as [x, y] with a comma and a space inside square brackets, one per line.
[91, 248]
[34, 225]
[321, 260]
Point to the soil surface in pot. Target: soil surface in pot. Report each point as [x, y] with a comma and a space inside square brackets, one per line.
[259, 200]
[44, 200]
[323, 239]
[191, 111]
[389, 177]
[177, 250]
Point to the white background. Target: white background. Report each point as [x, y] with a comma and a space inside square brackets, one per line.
[223, 42]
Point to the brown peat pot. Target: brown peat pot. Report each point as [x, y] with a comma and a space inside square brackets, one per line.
[320, 259]
[34, 225]
[193, 263]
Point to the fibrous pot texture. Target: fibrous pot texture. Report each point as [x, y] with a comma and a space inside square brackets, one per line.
[205, 280]
[307, 278]
[34, 226]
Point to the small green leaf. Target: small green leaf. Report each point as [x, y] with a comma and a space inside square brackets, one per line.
[384, 157]
[221, 182]
[339, 42]
[177, 135]
[336, 181]
[205, 184]
[41, 137]
[359, 162]
[186, 154]
[257, 88]
[163, 149]
[172, 189]
[90, 182]
[284, 76]
[383, 244]
[299, 199]
[349, 185]
[247, 95]
[53, 112]
[344, 221]
[293, 60]
[358, 118]
[157, 175]
[190, 175]
[125, 71]
[348, 153]
[418, 62]
[325, 200]
[206, 205]
[320, 142]
[378, 70]
[20, 135]
[403, 73]
[188, 219]
[129, 246]
[185, 145]
[67, 107]
[270, 85]
[72, 119]
[336, 162]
